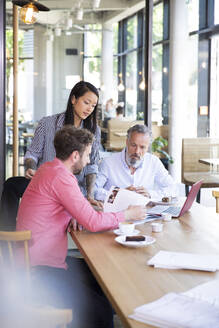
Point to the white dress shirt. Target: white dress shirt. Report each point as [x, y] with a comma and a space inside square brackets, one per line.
[151, 174]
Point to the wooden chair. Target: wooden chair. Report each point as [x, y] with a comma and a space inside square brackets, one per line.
[35, 317]
[117, 132]
[216, 195]
[11, 238]
[24, 315]
[193, 149]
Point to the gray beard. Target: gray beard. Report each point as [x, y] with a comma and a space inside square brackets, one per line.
[132, 161]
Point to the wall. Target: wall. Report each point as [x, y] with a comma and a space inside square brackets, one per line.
[51, 66]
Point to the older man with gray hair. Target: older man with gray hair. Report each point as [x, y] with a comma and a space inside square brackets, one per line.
[134, 168]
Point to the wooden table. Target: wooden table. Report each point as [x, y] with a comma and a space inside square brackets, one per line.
[123, 272]
[210, 161]
[120, 134]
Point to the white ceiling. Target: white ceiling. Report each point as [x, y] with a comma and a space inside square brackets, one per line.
[109, 11]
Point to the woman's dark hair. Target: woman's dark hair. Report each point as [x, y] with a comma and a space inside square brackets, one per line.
[78, 91]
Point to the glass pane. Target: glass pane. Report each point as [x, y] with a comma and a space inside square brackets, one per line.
[216, 12]
[157, 93]
[190, 112]
[93, 41]
[193, 15]
[131, 85]
[92, 70]
[115, 79]
[132, 33]
[214, 87]
[157, 23]
[115, 38]
[25, 87]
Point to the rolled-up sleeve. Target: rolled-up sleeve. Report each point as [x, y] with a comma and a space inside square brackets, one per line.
[100, 192]
[92, 168]
[35, 150]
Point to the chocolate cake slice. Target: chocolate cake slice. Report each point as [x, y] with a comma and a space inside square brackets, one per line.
[135, 238]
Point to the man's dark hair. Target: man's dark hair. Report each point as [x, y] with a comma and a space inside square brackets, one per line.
[70, 139]
[119, 110]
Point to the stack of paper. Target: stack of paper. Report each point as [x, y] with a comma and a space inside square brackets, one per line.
[177, 260]
[183, 310]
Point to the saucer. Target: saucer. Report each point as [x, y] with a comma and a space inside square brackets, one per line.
[148, 241]
[119, 233]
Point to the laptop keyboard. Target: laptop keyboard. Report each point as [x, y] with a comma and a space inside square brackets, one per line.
[158, 209]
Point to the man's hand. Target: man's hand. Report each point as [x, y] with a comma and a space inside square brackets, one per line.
[29, 173]
[140, 190]
[95, 203]
[137, 212]
[74, 226]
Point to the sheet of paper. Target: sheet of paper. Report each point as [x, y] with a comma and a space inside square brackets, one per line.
[208, 292]
[119, 199]
[177, 260]
[178, 310]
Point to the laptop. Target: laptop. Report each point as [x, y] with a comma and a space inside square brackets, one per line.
[177, 211]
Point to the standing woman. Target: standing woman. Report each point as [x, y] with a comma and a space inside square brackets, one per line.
[81, 112]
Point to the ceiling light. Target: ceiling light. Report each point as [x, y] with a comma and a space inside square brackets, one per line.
[121, 86]
[69, 22]
[58, 31]
[67, 33]
[22, 3]
[29, 10]
[29, 13]
[96, 3]
[142, 84]
[79, 14]
[51, 37]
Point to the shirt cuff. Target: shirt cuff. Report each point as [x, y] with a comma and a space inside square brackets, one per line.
[91, 169]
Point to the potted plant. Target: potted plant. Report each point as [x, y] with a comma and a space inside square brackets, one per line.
[158, 145]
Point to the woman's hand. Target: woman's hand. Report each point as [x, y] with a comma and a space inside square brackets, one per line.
[29, 173]
[74, 226]
[137, 212]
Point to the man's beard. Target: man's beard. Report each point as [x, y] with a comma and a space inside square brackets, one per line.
[134, 160]
[77, 168]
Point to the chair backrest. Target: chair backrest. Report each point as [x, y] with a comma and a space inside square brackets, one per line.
[23, 315]
[27, 316]
[11, 238]
[216, 195]
[117, 131]
[194, 149]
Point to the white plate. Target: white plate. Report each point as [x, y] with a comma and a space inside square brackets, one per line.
[119, 233]
[156, 202]
[148, 241]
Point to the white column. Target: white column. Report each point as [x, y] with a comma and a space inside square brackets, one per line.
[107, 63]
[178, 81]
[49, 77]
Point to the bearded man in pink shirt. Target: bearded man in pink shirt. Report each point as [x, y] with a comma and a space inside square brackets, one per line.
[48, 205]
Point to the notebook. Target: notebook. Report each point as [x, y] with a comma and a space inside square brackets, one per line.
[177, 211]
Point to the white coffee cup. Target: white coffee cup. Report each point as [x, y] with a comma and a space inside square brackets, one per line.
[167, 216]
[157, 227]
[126, 227]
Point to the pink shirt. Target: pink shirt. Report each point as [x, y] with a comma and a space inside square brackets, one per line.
[52, 198]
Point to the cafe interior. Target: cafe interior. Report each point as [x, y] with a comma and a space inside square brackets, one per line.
[157, 59]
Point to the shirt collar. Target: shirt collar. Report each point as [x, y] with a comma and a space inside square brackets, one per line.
[61, 118]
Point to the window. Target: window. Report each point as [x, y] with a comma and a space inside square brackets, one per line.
[92, 54]
[130, 65]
